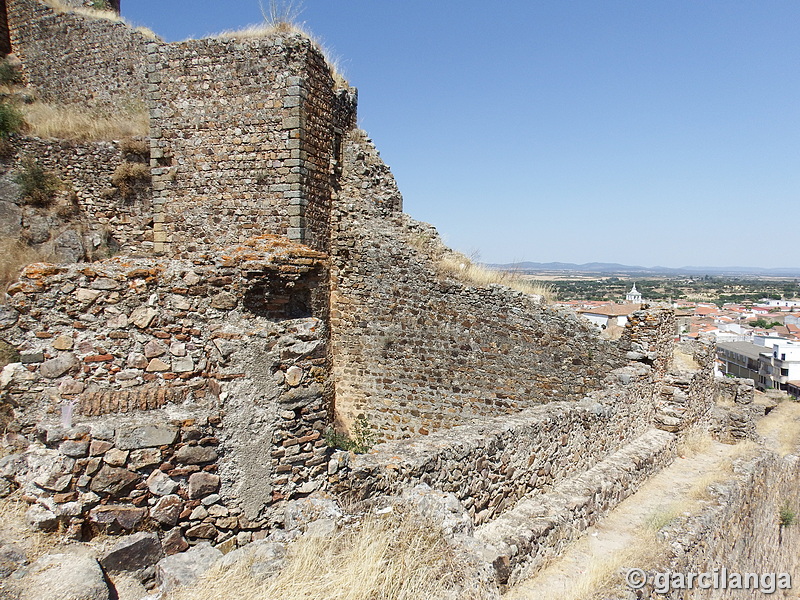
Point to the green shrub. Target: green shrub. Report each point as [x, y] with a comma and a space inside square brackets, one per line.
[787, 516]
[38, 187]
[363, 439]
[10, 120]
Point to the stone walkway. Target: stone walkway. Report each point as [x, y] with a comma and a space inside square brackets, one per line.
[616, 540]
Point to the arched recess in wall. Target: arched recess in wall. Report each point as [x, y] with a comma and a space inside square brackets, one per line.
[5, 36]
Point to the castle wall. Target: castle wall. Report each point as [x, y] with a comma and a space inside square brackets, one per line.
[416, 351]
[685, 397]
[146, 343]
[740, 530]
[243, 136]
[491, 465]
[106, 215]
[70, 58]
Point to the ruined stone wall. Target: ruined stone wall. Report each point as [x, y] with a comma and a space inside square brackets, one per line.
[109, 212]
[416, 350]
[686, 395]
[492, 464]
[146, 342]
[243, 136]
[71, 58]
[740, 529]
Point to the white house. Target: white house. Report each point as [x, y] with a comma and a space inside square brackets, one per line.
[633, 297]
[609, 315]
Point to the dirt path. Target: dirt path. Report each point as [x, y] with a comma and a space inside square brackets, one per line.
[624, 532]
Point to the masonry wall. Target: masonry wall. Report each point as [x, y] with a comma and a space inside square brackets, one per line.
[243, 141]
[70, 58]
[415, 350]
[146, 343]
[110, 213]
[492, 464]
[740, 529]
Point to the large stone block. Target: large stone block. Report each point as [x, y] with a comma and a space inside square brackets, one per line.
[145, 436]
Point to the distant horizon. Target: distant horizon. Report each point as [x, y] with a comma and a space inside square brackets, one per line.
[689, 269]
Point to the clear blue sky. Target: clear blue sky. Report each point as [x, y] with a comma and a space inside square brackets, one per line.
[648, 132]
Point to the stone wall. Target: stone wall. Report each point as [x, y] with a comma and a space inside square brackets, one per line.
[71, 58]
[414, 349]
[740, 529]
[240, 335]
[244, 138]
[107, 210]
[686, 395]
[492, 464]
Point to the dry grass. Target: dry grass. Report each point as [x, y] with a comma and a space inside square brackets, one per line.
[683, 361]
[15, 530]
[92, 13]
[98, 14]
[69, 122]
[603, 572]
[463, 269]
[128, 177]
[694, 442]
[781, 428]
[16, 256]
[282, 18]
[389, 557]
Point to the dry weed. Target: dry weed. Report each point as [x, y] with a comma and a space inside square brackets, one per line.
[98, 14]
[282, 18]
[385, 557]
[92, 13]
[682, 361]
[35, 542]
[129, 177]
[460, 267]
[16, 255]
[694, 442]
[69, 122]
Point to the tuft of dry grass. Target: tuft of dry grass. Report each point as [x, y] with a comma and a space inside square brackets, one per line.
[36, 543]
[72, 123]
[99, 14]
[282, 18]
[92, 13]
[694, 442]
[16, 255]
[460, 267]
[385, 557]
[128, 177]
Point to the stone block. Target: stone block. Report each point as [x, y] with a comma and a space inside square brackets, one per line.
[145, 436]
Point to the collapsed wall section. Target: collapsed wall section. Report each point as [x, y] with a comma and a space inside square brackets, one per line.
[414, 349]
[244, 140]
[203, 365]
[72, 58]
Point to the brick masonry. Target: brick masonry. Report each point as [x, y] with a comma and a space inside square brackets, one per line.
[168, 339]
